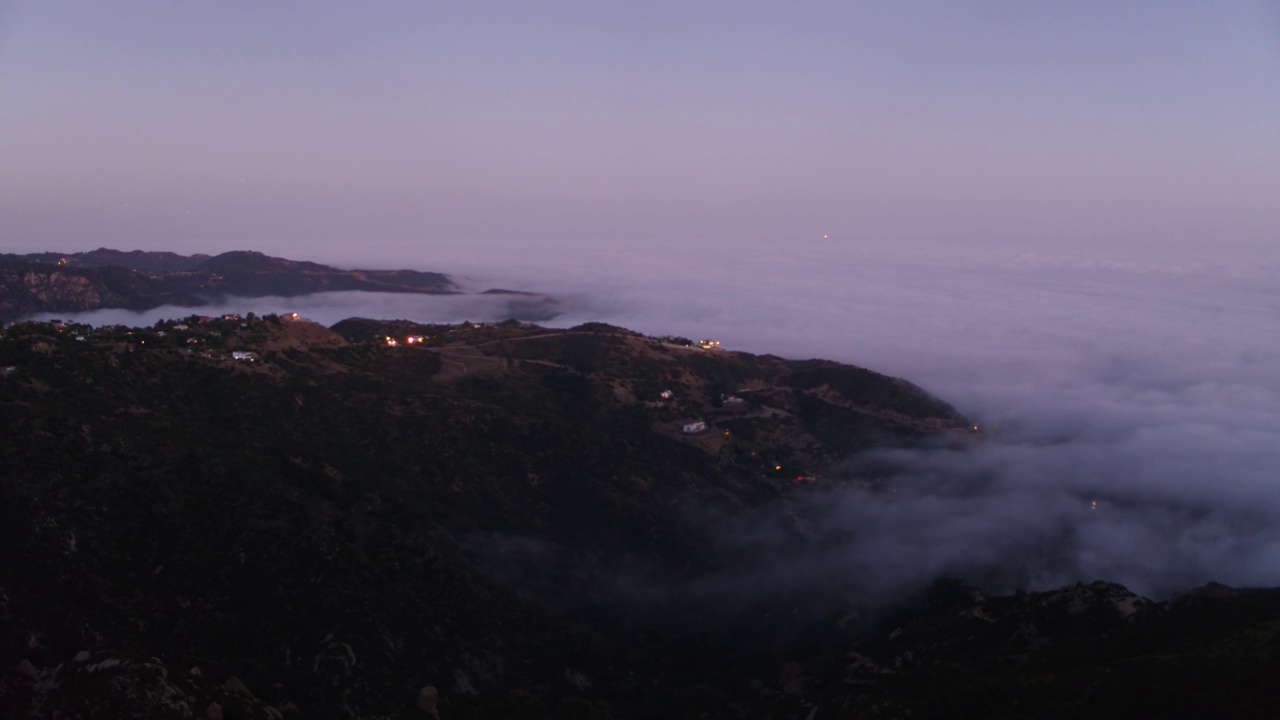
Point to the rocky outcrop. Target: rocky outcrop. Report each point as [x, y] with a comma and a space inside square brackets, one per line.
[27, 288]
[120, 686]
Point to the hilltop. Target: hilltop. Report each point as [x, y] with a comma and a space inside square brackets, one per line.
[396, 519]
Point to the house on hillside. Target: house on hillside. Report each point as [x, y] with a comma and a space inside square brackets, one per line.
[666, 394]
[244, 356]
[693, 426]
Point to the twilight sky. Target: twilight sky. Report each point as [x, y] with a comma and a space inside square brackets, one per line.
[339, 130]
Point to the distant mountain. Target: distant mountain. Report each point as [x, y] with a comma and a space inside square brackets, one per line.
[156, 262]
[265, 518]
[253, 274]
[29, 287]
[103, 278]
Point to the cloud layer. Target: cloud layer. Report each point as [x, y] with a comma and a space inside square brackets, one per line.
[1149, 386]
[1130, 408]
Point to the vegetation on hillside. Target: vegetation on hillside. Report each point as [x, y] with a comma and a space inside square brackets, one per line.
[391, 519]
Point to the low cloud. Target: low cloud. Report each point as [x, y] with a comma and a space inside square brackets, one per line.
[1131, 414]
[1150, 386]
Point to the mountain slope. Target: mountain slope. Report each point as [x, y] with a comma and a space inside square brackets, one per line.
[103, 278]
[494, 521]
[27, 288]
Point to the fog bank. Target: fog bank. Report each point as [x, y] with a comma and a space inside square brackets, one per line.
[1130, 406]
[1146, 384]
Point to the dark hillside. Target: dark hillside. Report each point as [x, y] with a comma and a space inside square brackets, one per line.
[28, 287]
[103, 278]
[253, 274]
[151, 262]
[389, 519]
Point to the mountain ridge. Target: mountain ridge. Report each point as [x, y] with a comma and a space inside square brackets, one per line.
[142, 280]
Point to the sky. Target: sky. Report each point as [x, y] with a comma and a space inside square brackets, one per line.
[342, 128]
[1062, 218]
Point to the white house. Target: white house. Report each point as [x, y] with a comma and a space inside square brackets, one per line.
[695, 426]
[242, 355]
[666, 394]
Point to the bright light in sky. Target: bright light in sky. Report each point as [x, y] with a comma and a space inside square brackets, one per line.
[208, 126]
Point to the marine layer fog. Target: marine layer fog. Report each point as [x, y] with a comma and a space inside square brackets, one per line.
[1130, 408]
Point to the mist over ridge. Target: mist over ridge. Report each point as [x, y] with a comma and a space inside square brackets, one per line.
[1129, 408]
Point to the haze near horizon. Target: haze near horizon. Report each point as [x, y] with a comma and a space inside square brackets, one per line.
[302, 131]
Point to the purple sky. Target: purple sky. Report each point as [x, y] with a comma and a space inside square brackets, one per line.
[339, 129]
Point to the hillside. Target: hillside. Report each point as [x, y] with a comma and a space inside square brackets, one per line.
[104, 278]
[390, 519]
[27, 288]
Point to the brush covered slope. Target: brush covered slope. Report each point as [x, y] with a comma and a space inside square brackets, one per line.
[264, 517]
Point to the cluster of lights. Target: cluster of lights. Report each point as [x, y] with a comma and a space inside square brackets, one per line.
[409, 340]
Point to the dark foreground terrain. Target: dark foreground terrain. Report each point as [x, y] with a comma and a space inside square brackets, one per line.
[264, 518]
